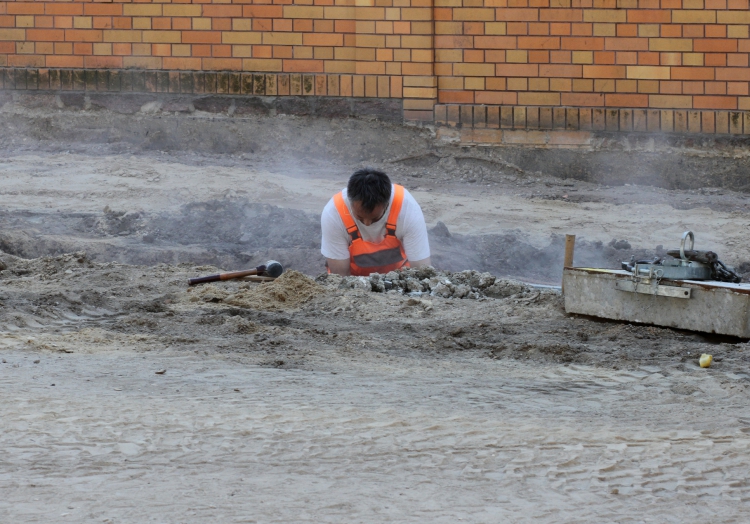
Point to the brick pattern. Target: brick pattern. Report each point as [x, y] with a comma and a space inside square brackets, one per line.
[628, 120]
[658, 54]
[384, 46]
[194, 82]
[688, 56]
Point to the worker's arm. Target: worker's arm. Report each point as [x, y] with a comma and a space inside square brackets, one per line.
[339, 267]
[421, 263]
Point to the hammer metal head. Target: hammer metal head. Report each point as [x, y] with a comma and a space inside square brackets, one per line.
[274, 269]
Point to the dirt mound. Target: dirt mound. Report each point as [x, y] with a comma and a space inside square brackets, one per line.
[290, 291]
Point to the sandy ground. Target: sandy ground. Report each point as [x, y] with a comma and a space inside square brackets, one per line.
[213, 440]
[319, 403]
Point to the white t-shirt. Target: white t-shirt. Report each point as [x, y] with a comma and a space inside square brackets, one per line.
[411, 230]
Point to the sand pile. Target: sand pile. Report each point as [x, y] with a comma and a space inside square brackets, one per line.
[289, 291]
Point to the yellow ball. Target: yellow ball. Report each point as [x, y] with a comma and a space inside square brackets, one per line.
[706, 360]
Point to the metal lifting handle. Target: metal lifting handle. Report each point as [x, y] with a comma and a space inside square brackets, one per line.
[685, 235]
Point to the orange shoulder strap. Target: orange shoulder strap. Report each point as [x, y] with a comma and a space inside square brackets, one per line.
[398, 200]
[346, 217]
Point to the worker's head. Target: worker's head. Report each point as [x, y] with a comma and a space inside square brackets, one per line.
[369, 192]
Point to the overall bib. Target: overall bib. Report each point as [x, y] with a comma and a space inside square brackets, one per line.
[369, 257]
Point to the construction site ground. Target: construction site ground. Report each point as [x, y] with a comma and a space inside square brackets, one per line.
[129, 397]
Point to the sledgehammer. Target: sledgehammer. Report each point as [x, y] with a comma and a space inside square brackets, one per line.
[271, 269]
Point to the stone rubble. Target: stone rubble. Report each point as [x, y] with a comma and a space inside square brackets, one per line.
[467, 284]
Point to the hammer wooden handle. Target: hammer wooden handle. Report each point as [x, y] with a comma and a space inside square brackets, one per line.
[226, 276]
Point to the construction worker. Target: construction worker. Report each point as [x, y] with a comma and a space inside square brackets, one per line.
[373, 226]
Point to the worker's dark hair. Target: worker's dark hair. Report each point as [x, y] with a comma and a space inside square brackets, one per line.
[370, 187]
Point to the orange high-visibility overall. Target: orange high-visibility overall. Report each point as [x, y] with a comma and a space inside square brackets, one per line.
[369, 257]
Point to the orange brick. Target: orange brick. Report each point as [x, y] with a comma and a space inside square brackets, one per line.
[473, 55]
[582, 43]
[541, 57]
[626, 100]
[626, 44]
[100, 22]
[626, 58]
[561, 29]
[738, 88]
[516, 15]
[671, 31]
[45, 35]
[221, 11]
[714, 31]
[103, 62]
[561, 71]
[117, 23]
[201, 37]
[225, 64]
[100, 9]
[601, 71]
[83, 35]
[517, 28]
[186, 24]
[670, 59]
[64, 61]
[517, 70]
[627, 30]
[318, 39]
[694, 31]
[715, 45]
[731, 73]
[715, 102]
[81, 48]
[474, 14]
[538, 42]
[443, 14]
[456, 97]
[692, 73]
[303, 66]
[491, 42]
[715, 88]
[737, 60]
[122, 49]
[583, 29]
[28, 8]
[496, 98]
[648, 58]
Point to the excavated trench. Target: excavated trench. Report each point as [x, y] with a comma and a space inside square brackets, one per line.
[238, 234]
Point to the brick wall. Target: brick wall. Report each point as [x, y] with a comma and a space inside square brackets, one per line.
[529, 62]
[676, 54]
[378, 48]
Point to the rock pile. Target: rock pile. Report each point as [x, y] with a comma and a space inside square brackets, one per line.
[429, 281]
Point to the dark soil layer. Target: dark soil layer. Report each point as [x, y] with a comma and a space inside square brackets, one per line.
[237, 234]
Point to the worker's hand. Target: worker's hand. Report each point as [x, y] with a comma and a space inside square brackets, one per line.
[339, 267]
[420, 263]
